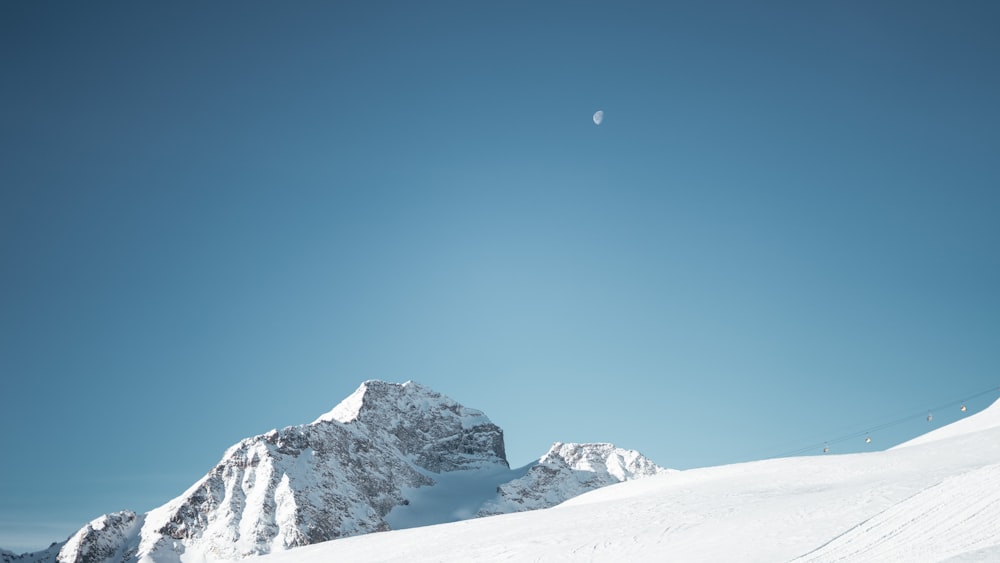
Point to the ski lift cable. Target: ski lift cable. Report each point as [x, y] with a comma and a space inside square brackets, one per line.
[868, 431]
[883, 426]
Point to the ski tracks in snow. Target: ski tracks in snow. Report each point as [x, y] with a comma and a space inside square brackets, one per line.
[960, 515]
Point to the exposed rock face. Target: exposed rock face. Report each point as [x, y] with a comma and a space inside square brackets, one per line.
[340, 476]
[569, 470]
[440, 434]
[287, 488]
[336, 477]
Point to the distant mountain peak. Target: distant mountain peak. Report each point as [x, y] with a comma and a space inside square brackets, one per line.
[568, 470]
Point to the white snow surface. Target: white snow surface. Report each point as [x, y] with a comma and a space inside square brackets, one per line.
[934, 500]
[348, 409]
[457, 495]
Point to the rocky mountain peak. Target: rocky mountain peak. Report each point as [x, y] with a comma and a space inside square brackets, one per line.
[438, 433]
[568, 470]
[621, 464]
[377, 399]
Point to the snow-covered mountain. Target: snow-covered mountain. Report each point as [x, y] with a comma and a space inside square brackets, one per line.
[568, 470]
[390, 456]
[339, 476]
[932, 499]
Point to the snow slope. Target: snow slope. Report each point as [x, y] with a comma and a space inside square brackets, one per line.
[933, 523]
[934, 500]
[983, 420]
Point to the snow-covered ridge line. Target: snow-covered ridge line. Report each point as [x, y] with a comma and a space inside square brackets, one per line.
[408, 395]
[387, 453]
[983, 420]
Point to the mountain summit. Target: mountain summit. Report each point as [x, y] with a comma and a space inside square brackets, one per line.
[388, 456]
[438, 433]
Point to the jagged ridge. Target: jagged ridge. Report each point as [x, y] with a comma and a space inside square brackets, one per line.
[341, 476]
[569, 470]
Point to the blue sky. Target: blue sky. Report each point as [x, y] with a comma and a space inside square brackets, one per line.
[219, 219]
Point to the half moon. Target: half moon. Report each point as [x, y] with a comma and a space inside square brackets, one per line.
[598, 117]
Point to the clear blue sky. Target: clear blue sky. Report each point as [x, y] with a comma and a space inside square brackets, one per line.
[220, 218]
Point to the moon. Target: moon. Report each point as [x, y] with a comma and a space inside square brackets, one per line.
[598, 117]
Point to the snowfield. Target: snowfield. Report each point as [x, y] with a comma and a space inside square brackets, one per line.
[935, 498]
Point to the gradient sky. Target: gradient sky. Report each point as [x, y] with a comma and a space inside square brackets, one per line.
[219, 218]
